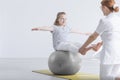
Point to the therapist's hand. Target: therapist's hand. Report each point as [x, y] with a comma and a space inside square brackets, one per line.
[83, 50]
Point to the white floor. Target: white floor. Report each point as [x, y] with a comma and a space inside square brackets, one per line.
[21, 68]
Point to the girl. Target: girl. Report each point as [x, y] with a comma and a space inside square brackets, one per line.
[60, 32]
[109, 30]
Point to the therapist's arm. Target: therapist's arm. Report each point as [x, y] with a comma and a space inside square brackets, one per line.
[91, 38]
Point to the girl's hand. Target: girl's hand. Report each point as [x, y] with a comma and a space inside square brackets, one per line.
[35, 29]
[88, 33]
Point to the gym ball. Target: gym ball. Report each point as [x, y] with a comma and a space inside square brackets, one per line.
[64, 63]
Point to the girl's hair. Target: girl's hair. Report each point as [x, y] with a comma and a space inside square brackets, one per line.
[57, 17]
[110, 4]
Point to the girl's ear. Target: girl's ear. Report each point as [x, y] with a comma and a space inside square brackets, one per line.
[104, 6]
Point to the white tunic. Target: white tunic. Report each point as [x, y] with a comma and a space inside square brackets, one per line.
[109, 29]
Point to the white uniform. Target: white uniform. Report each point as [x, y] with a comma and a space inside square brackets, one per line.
[109, 29]
[61, 39]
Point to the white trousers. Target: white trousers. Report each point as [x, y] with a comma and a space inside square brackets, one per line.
[109, 72]
[69, 46]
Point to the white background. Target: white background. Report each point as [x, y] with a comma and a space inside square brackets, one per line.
[17, 17]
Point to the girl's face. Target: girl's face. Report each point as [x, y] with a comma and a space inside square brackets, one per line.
[105, 10]
[62, 20]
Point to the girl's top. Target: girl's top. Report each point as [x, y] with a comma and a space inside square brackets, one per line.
[60, 34]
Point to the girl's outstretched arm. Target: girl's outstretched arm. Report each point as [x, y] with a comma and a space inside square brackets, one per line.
[44, 28]
[78, 32]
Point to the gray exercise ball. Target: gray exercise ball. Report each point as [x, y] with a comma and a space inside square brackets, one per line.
[64, 62]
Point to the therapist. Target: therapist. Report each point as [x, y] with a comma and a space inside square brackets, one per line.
[109, 31]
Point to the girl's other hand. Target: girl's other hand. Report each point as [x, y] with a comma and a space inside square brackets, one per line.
[88, 34]
[35, 29]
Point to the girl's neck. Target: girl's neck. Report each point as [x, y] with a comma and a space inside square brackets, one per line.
[108, 13]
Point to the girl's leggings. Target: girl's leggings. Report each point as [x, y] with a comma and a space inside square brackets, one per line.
[69, 46]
